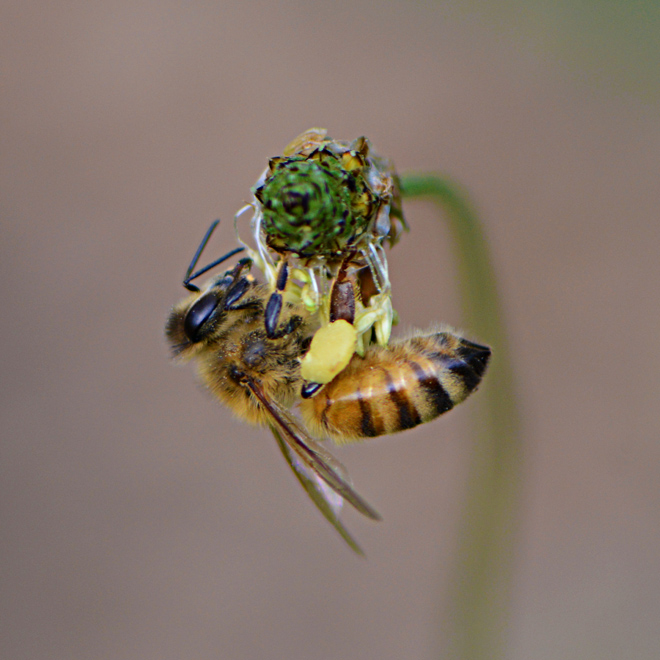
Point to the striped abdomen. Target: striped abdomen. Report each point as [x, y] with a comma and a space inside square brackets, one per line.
[396, 388]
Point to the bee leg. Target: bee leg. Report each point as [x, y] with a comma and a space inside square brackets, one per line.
[291, 326]
[274, 305]
[272, 314]
[236, 292]
[309, 389]
[240, 284]
[241, 265]
[342, 296]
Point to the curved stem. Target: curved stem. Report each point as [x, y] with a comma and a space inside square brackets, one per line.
[481, 589]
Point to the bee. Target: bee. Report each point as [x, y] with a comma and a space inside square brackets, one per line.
[258, 376]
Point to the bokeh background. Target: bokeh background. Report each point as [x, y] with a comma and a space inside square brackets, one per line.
[139, 519]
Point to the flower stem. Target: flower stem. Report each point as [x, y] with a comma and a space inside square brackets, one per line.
[480, 593]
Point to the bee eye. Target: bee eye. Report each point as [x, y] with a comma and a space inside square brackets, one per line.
[198, 315]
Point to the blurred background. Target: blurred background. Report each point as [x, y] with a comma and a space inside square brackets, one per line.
[139, 519]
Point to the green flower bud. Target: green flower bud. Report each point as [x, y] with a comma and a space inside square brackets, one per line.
[308, 206]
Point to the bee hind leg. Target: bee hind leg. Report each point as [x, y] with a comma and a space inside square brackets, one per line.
[342, 295]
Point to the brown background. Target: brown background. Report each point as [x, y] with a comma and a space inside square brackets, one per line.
[139, 519]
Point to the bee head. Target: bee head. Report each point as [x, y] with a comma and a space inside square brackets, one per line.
[195, 320]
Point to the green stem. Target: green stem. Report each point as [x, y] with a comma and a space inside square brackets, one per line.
[480, 593]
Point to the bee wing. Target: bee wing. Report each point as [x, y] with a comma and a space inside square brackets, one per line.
[316, 494]
[310, 454]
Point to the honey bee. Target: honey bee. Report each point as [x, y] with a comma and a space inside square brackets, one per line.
[258, 376]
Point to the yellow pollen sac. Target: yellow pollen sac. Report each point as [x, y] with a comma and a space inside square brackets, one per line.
[331, 350]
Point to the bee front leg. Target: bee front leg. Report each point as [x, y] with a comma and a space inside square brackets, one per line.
[274, 305]
[240, 284]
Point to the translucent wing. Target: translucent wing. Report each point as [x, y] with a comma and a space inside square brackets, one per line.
[311, 454]
[311, 462]
[316, 494]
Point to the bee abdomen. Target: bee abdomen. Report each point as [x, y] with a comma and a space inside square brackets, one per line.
[398, 388]
[459, 364]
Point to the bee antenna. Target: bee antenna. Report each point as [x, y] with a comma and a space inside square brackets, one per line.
[190, 276]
